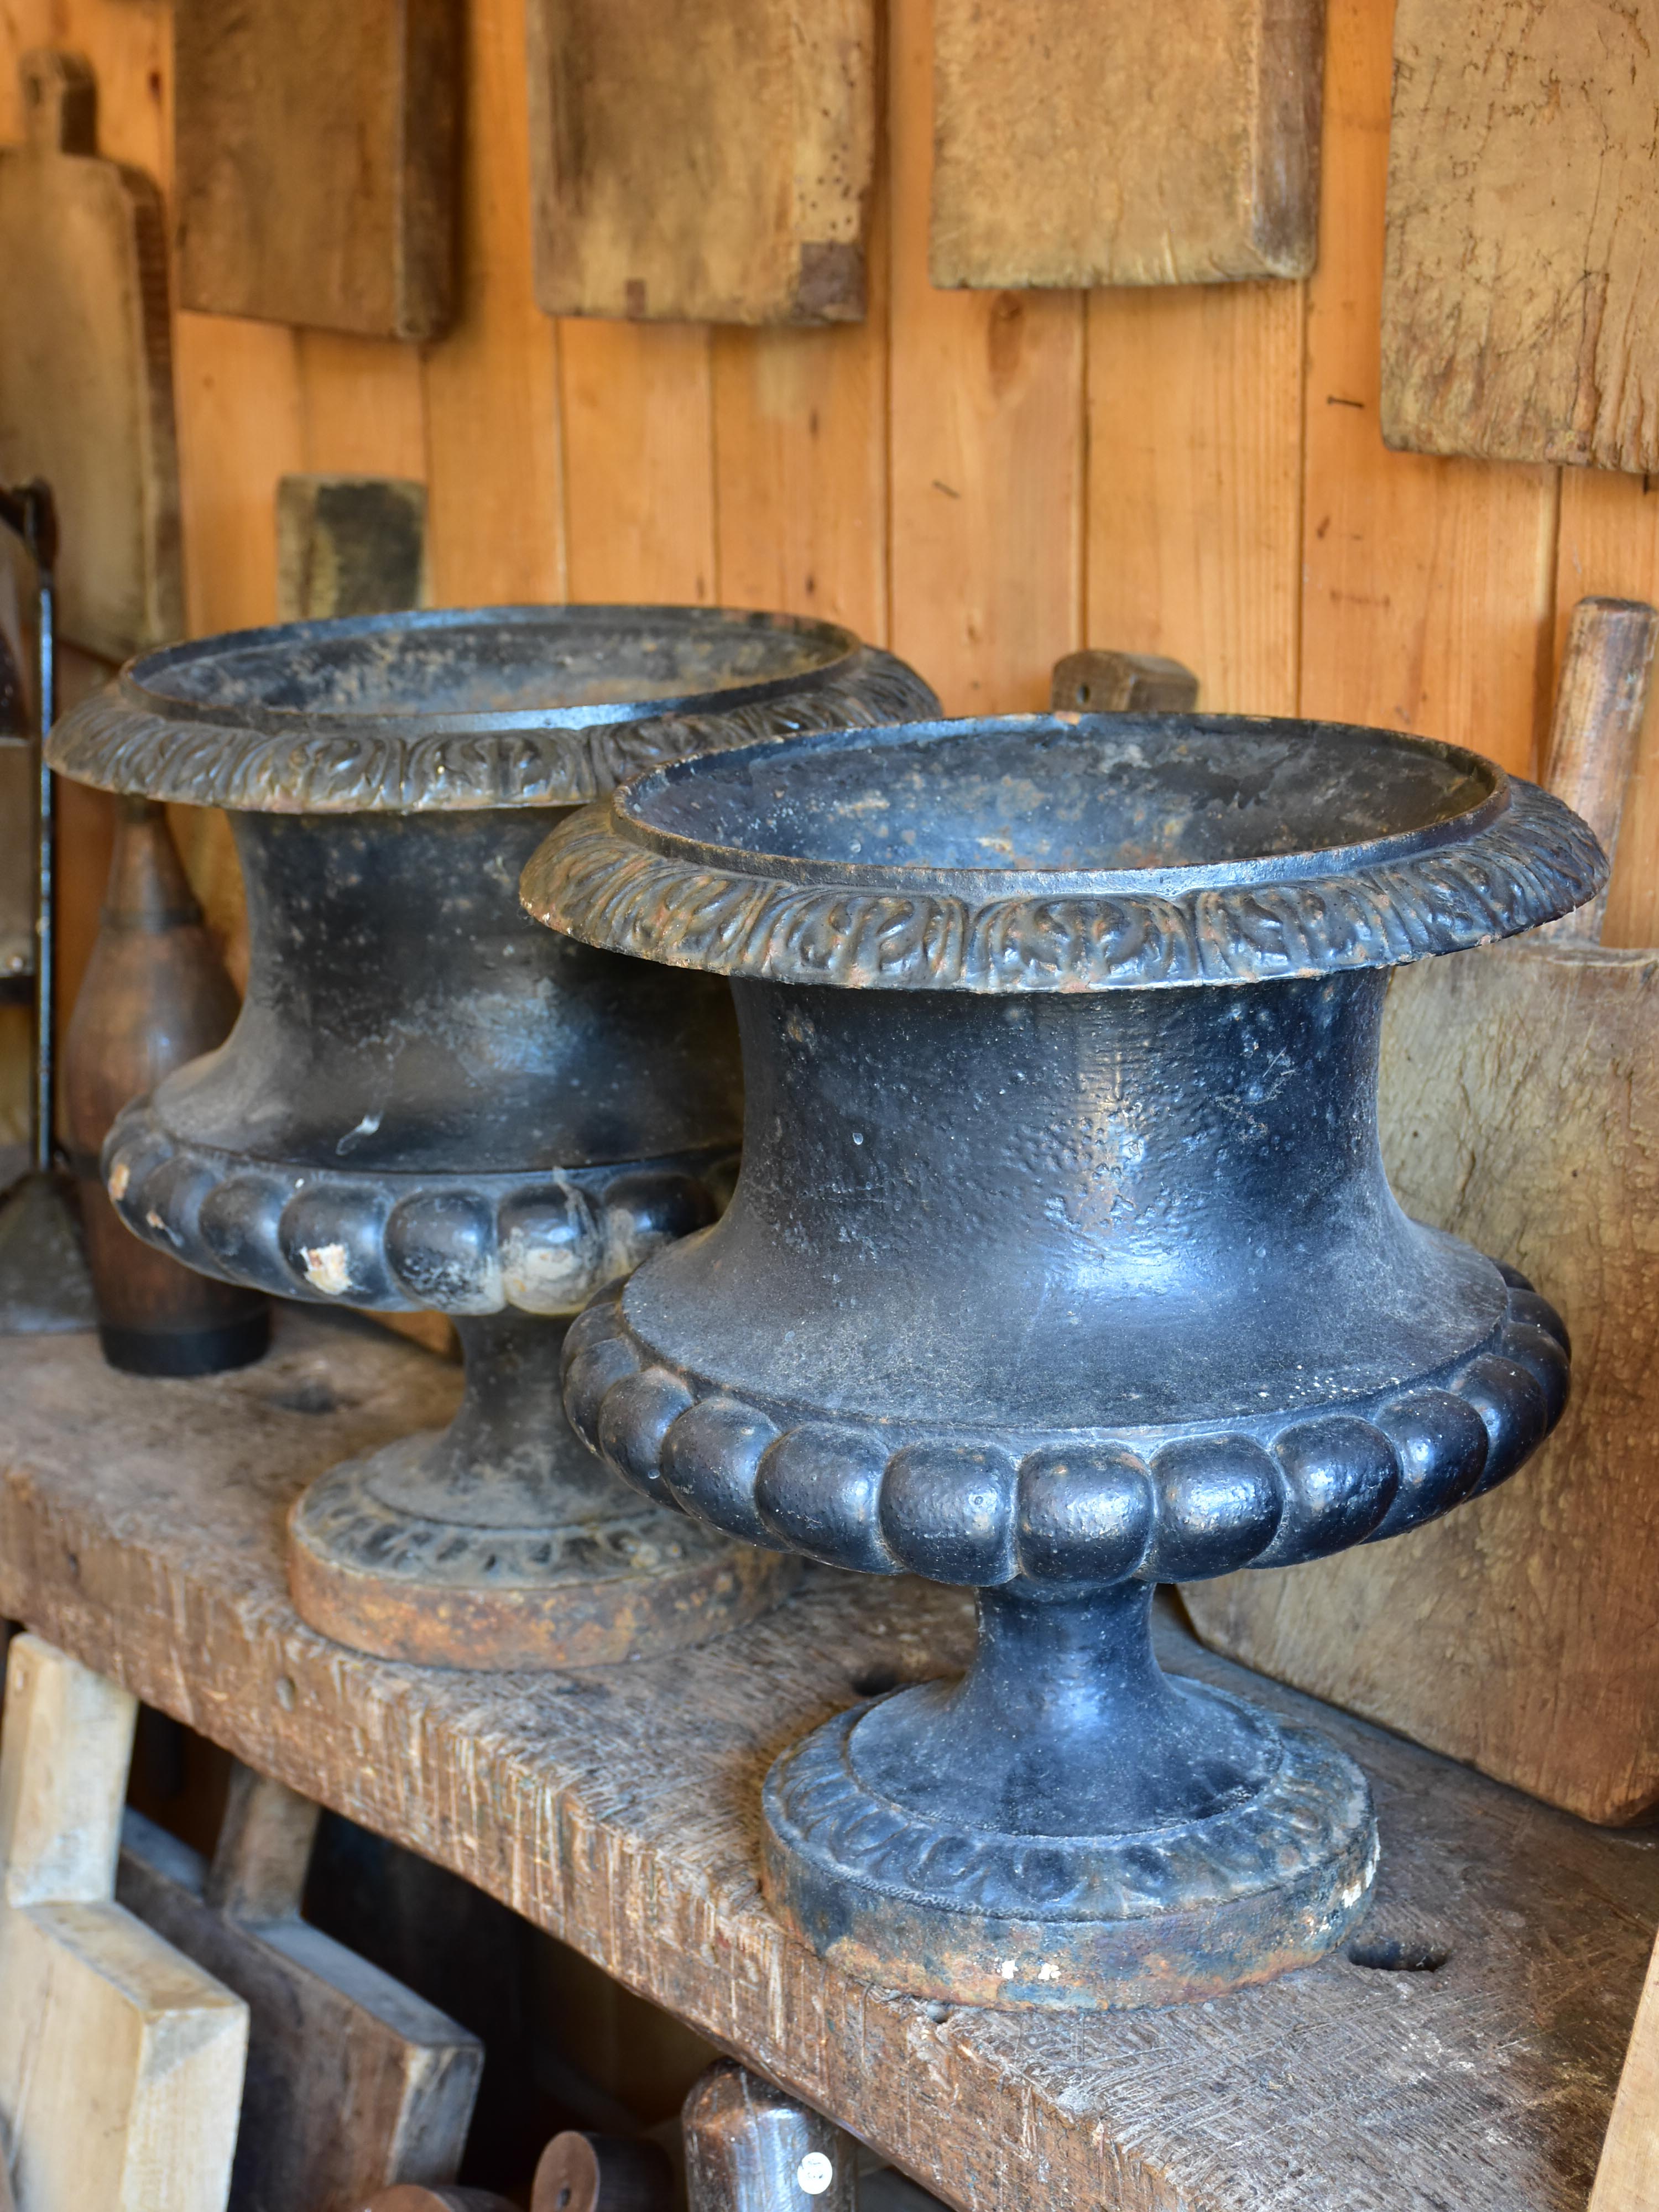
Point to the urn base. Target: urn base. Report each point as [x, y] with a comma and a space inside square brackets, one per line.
[500, 1542]
[1137, 1918]
[1067, 1826]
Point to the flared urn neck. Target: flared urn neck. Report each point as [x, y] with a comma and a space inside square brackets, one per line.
[403, 1014]
[1123, 1210]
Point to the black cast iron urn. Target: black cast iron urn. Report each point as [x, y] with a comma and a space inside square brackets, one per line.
[1062, 1263]
[428, 1102]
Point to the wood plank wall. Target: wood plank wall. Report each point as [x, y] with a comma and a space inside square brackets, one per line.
[982, 480]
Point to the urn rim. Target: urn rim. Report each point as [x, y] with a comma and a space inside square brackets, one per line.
[245, 719]
[1490, 856]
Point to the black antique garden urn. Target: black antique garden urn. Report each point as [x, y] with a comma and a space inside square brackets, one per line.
[1062, 1263]
[428, 1102]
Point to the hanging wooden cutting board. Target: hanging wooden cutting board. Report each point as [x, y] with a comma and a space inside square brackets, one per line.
[1521, 294]
[316, 151]
[1105, 141]
[703, 161]
[86, 378]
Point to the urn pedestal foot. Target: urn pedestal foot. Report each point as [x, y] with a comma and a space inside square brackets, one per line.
[1067, 1826]
[500, 1542]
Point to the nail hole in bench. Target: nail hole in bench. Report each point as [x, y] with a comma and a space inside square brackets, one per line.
[1393, 1955]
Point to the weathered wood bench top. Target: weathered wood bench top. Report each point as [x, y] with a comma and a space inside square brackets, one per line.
[141, 1527]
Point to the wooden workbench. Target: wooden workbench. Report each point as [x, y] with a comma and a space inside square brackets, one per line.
[140, 1528]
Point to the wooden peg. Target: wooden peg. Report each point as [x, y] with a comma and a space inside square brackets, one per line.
[750, 2147]
[353, 2082]
[121, 2062]
[1600, 701]
[580, 2172]
[1103, 682]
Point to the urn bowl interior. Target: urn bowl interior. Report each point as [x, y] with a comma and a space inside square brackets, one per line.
[548, 664]
[1099, 796]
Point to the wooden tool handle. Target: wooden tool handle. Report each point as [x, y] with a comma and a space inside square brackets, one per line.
[580, 2173]
[1599, 703]
[60, 101]
[748, 2147]
[258, 1870]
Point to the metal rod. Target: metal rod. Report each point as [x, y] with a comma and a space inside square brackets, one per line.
[30, 510]
[45, 947]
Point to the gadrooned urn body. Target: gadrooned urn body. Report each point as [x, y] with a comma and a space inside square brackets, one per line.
[1062, 1262]
[429, 1102]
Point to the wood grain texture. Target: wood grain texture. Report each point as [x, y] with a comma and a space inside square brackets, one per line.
[1427, 600]
[316, 161]
[639, 463]
[1523, 258]
[139, 1523]
[353, 2082]
[1520, 1110]
[705, 161]
[1609, 545]
[121, 2062]
[494, 455]
[1601, 704]
[986, 414]
[1100, 141]
[86, 378]
[1195, 483]
[1627, 2179]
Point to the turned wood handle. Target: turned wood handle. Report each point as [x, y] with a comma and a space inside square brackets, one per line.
[1600, 702]
[258, 1870]
[582, 2172]
[750, 2147]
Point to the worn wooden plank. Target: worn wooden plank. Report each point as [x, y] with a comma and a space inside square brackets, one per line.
[86, 383]
[1194, 488]
[139, 1524]
[1520, 1110]
[363, 404]
[316, 150]
[1427, 595]
[494, 471]
[639, 462]
[353, 2082]
[706, 160]
[986, 439]
[1523, 258]
[800, 462]
[1099, 142]
[1627, 2179]
[120, 2061]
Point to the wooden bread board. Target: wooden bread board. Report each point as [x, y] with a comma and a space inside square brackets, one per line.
[1103, 142]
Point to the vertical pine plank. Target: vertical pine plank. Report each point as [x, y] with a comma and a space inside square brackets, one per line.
[362, 404]
[1427, 591]
[494, 522]
[986, 445]
[1195, 484]
[800, 461]
[639, 460]
[1609, 542]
